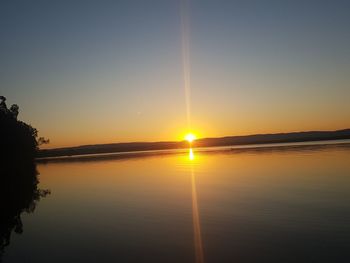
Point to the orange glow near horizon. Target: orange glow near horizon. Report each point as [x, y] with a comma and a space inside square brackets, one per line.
[105, 134]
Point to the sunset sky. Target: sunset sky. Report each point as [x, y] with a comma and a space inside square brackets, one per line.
[87, 72]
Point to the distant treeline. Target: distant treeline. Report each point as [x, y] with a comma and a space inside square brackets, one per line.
[208, 142]
[275, 138]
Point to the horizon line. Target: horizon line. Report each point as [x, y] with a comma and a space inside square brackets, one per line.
[198, 139]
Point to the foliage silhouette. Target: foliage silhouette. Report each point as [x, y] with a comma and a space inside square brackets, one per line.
[18, 139]
[19, 178]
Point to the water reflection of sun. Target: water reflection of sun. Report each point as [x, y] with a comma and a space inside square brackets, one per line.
[198, 244]
[190, 154]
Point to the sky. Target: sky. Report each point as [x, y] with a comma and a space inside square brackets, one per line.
[88, 72]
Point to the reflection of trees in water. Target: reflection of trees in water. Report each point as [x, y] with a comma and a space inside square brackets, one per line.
[18, 193]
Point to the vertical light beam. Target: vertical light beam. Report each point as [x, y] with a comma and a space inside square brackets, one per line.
[185, 34]
[198, 244]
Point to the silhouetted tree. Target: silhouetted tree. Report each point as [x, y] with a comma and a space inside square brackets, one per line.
[18, 139]
[14, 110]
[3, 106]
[18, 175]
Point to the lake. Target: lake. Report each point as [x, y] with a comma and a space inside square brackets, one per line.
[289, 203]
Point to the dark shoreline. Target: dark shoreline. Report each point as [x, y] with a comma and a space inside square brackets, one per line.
[255, 148]
[140, 147]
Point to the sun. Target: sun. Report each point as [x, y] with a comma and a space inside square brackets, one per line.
[190, 137]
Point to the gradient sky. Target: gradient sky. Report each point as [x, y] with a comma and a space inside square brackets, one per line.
[86, 72]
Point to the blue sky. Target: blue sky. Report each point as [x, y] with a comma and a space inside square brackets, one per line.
[107, 71]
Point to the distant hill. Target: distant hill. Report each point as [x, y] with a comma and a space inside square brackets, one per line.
[206, 142]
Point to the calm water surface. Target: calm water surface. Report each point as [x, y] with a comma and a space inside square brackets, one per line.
[285, 204]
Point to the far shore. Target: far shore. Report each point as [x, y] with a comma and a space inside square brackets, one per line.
[256, 148]
[144, 148]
